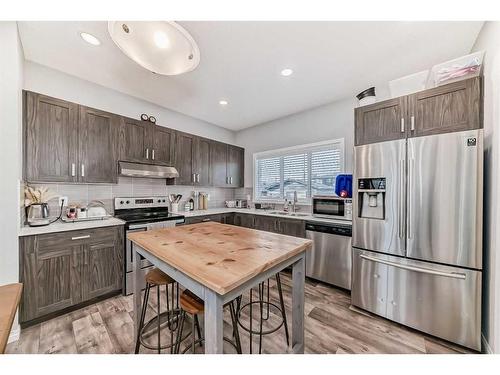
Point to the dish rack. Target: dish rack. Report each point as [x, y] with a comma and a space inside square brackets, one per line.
[93, 218]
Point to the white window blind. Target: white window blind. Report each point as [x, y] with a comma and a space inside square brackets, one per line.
[307, 169]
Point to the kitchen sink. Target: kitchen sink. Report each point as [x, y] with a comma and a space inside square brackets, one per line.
[285, 213]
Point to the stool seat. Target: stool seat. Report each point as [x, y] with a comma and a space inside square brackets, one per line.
[191, 303]
[158, 277]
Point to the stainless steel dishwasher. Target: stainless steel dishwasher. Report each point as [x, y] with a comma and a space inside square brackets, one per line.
[331, 255]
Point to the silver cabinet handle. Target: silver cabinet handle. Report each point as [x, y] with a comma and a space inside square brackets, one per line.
[205, 220]
[73, 169]
[147, 153]
[231, 180]
[153, 154]
[454, 275]
[83, 170]
[402, 125]
[197, 177]
[401, 198]
[80, 237]
[412, 123]
[227, 180]
[194, 177]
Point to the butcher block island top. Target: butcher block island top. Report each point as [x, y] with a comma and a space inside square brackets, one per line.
[219, 256]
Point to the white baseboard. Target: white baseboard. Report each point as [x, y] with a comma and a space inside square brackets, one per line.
[486, 345]
[14, 334]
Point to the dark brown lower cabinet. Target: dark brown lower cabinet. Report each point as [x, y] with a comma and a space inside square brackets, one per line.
[292, 227]
[267, 223]
[244, 220]
[201, 219]
[62, 270]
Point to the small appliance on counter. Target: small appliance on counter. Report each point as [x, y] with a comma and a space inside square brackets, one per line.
[37, 214]
[94, 211]
[331, 207]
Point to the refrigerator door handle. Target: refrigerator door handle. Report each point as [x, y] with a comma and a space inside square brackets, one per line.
[402, 124]
[454, 275]
[401, 198]
[410, 187]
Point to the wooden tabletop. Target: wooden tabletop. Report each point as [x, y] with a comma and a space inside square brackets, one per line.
[10, 295]
[219, 256]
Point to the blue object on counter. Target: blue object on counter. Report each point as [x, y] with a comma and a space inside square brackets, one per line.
[344, 182]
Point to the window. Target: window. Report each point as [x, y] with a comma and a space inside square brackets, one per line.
[307, 169]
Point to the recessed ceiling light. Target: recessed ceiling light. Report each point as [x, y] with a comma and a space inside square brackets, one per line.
[161, 39]
[286, 72]
[89, 38]
[223, 102]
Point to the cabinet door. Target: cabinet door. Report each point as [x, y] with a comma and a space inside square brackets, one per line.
[450, 108]
[235, 165]
[384, 121]
[98, 146]
[163, 145]
[50, 270]
[50, 139]
[202, 166]
[244, 220]
[135, 140]
[218, 161]
[228, 219]
[203, 219]
[184, 148]
[269, 224]
[292, 227]
[102, 270]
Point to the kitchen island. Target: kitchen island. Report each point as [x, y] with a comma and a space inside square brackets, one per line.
[219, 262]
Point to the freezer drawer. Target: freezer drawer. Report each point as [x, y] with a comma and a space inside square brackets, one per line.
[440, 300]
[369, 284]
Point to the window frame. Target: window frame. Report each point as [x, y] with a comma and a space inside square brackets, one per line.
[308, 147]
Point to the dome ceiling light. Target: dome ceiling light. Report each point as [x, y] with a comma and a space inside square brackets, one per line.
[162, 47]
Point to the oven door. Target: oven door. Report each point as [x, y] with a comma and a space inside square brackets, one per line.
[129, 255]
[329, 207]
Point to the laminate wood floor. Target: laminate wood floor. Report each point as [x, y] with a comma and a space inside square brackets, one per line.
[331, 326]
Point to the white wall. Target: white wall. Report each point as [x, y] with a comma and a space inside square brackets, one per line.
[489, 40]
[331, 121]
[11, 77]
[54, 83]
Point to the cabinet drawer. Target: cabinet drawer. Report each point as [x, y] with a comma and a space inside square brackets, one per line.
[54, 241]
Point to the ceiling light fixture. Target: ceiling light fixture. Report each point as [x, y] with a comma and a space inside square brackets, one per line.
[223, 102]
[286, 72]
[162, 47]
[161, 39]
[89, 38]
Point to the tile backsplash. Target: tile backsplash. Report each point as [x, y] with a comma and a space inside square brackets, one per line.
[131, 187]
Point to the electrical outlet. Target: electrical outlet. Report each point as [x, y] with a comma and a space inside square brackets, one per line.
[63, 201]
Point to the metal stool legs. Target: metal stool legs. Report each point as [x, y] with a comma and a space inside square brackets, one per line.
[172, 317]
[264, 299]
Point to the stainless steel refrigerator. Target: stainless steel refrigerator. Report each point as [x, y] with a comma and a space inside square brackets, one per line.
[417, 233]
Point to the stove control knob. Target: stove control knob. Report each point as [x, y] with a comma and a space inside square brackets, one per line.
[121, 202]
[163, 201]
[127, 202]
[159, 200]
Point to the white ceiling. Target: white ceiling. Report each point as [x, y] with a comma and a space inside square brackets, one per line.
[241, 62]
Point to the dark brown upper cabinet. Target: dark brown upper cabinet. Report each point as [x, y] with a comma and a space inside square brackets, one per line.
[163, 145]
[98, 146]
[201, 161]
[448, 108]
[135, 140]
[184, 160]
[384, 121]
[50, 139]
[227, 163]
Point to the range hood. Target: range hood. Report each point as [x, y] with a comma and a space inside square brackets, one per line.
[146, 170]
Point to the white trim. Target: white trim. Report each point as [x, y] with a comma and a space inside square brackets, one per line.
[14, 334]
[290, 150]
[486, 346]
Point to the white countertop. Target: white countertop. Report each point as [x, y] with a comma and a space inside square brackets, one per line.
[61, 226]
[253, 211]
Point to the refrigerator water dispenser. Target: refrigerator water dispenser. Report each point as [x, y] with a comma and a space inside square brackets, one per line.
[371, 195]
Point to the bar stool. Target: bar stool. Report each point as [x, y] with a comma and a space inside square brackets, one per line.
[157, 278]
[191, 304]
[264, 299]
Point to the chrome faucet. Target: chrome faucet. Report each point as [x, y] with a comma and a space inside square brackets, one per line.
[295, 200]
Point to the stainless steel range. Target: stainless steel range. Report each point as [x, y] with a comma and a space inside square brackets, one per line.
[142, 214]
